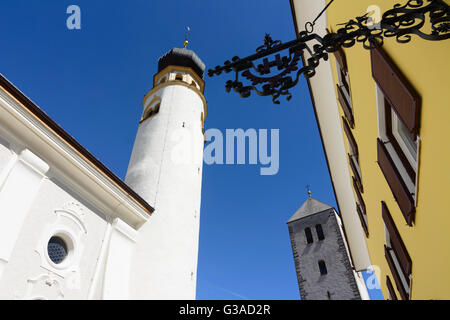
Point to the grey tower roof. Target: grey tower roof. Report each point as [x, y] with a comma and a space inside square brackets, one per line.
[184, 58]
[310, 207]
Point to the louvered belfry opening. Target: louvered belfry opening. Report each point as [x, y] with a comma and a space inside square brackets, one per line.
[309, 237]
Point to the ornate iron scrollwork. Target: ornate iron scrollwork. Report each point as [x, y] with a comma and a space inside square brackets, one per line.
[401, 22]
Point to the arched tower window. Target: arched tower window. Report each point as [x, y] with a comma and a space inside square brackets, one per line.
[179, 77]
[309, 237]
[319, 231]
[194, 84]
[151, 112]
[322, 267]
[162, 80]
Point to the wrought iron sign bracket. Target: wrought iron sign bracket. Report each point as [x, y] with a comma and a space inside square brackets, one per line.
[401, 22]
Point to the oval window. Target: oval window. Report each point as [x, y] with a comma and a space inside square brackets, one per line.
[57, 249]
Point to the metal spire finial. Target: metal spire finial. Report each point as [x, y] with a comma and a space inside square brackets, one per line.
[308, 187]
[186, 39]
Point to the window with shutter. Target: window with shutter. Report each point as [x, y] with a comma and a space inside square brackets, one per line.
[398, 145]
[363, 218]
[361, 208]
[397, 90]
[396, 254]
[353, 156]
[392, 295]
[343, 86]
[395, 274]
[340, 57]
[395, 241]
[351, 140]
[356, 172]
[404, 147]
[346, 107]
[396, 183]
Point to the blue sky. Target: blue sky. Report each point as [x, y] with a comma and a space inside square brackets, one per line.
[92, 81]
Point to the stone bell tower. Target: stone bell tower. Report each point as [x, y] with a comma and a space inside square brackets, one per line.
[166, 170]
[324, 270]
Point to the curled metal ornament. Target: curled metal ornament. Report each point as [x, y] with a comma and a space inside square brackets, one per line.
[268, 43]
[401, 22]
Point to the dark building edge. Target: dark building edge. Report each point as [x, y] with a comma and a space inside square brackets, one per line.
[294, 17]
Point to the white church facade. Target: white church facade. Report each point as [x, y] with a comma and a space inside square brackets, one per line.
[71, 229]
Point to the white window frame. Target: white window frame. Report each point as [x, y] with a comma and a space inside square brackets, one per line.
[411, 185]
[412, 158]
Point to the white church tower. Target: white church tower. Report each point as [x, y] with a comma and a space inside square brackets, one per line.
[71, 229]
[165, 169]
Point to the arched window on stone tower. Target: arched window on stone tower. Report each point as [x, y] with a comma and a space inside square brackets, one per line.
[322, 268]
[309, 237]
[319, 231]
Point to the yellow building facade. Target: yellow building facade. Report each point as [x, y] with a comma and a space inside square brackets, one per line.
[394, 108]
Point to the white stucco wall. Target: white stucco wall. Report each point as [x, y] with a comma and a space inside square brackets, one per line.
[48, 188]
[5, 154]
[29, 273]
[7, 159]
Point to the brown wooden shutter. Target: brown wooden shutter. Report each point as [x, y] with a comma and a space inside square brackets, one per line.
[396, 89]
[340, 57]
[345, 107]
[363, 221]
[396, 241]
[358, 194]
[351, 139]
[396, 183]
[391, 288]
[354, 146]
[356, 174]
[361, 207]
[398, 281]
